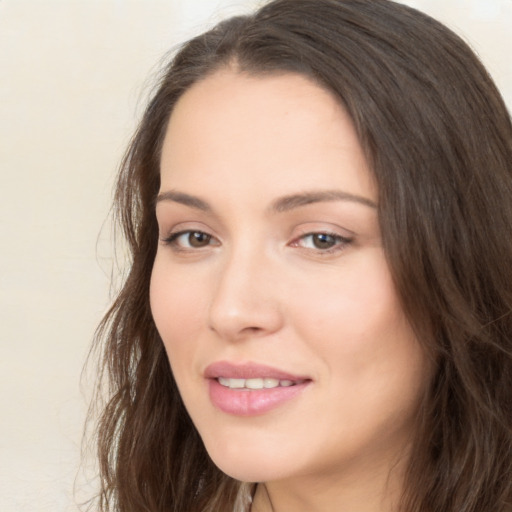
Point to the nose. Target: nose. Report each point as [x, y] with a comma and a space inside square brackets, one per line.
[246, 299]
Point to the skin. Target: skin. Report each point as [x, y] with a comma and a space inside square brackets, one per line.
[257, 286]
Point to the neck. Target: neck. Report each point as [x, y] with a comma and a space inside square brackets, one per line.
[377, 491]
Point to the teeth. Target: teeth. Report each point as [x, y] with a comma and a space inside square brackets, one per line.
[266, 383]
[255, 383]
[236, 383]
[271, 383]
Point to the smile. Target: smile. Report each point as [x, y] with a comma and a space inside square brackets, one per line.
[257, 383]
[251, 389]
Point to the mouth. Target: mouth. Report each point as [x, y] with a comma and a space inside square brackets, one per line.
[251, 389]
[257, 383]
[254, 372]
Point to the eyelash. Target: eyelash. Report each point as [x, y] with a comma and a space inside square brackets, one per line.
[172, 239]
[339, 242]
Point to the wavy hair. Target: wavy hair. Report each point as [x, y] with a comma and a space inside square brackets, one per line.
[438, 138]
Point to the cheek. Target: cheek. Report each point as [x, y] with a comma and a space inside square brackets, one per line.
[177, 304]
[350, 305]
[356, 325]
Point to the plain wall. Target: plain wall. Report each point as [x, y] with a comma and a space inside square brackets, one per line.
[73, 81]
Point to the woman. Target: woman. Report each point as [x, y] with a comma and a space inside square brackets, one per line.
[317, 315]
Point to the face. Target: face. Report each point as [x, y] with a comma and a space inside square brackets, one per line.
[270, 288]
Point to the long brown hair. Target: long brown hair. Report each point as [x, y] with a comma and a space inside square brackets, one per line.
[438, 138]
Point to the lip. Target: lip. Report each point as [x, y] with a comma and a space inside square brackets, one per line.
[243, 402]
[248, 371]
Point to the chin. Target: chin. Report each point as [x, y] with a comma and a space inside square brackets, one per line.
[244, 465]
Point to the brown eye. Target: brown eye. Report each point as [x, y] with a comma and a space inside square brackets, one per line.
[184, 240]
[323, 240]
[198, 239]
[323, 243]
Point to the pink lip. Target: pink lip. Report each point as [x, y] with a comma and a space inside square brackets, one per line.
[242, 402]
[248, 371]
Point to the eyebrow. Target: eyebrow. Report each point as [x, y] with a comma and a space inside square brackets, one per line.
[290, 202]
[281, 204]
[186, 199]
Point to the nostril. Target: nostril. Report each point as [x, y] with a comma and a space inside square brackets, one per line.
[253, 329]
[241, 331]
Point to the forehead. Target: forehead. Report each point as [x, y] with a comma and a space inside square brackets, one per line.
[279, 128]
[276, 101]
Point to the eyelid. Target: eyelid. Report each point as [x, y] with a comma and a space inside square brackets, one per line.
[172, 238]
[169, 227]
[341, 240]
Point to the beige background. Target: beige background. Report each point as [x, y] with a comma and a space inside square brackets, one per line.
[73, 81]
